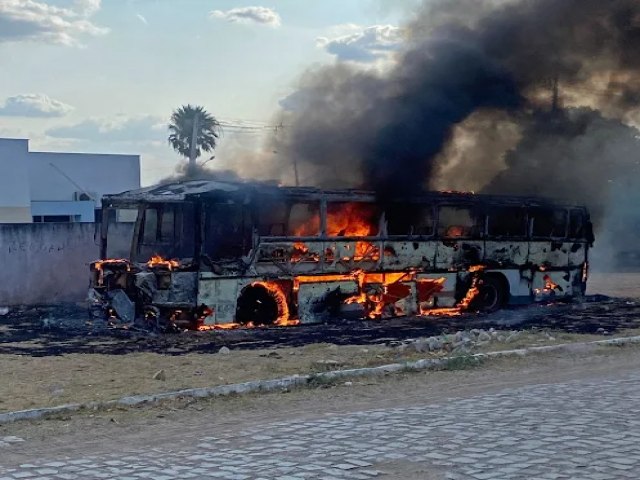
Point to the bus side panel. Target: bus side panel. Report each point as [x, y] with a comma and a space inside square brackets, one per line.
[578, 254]
[519, 285]
[444, 297]
[181, 290]
[549, 254]
[314, 299]
[506, 253]
[349, 255]
[220, 295]
[548, 285]
[288, 258]
[459, 254]
[402, 255]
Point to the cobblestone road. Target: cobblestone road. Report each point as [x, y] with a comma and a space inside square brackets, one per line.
[579, 430]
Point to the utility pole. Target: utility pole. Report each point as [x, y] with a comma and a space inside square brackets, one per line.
[296, 176]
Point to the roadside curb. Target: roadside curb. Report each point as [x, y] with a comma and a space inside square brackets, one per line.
[296, 380]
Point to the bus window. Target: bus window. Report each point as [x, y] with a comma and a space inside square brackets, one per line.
[304, 220]
[227, 231]
[577, 224]
[508, 222]
[150, 227]
[167, 225]
[409, 219]
[454, 222]
[549, 223]
[352, 219]
[272, 218]
[168, 231]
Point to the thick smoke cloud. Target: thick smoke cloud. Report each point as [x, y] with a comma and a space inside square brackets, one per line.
[480, 72]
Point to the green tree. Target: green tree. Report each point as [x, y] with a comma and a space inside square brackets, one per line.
[189, 121]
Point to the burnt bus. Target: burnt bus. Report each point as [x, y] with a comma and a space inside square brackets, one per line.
[212, 254]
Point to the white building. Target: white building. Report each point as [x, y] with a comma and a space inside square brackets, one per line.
[59, 187]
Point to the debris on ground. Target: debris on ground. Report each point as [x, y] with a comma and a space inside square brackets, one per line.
[63, 329]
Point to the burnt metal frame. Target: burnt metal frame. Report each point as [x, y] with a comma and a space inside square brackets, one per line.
[303, 194]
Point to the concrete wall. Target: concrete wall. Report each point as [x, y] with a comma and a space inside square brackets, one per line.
[49, 263]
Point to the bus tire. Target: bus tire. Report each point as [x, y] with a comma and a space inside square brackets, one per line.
[493, 295]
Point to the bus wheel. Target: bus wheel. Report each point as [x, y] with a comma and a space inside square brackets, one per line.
[492, 295]
[256, 305]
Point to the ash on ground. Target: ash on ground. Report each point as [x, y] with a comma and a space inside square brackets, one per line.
[63, 329]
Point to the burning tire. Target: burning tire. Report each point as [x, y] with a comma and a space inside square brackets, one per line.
[257, 305]
[493, 294]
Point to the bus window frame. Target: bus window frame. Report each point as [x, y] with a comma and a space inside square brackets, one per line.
[288, 203]
[380, 219]
[526, 230]
[482, 234]
[585, 225]
[532, 219]
[412, 236]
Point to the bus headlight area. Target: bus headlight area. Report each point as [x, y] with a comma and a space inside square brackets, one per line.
[217, 255]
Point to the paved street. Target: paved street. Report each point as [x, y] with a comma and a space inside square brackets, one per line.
[581, 429]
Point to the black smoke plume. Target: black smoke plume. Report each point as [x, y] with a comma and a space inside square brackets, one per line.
[494, 60]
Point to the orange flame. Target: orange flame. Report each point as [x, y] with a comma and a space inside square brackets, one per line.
[157, 261]
[116, 262]
[99, 264]
[343, 220]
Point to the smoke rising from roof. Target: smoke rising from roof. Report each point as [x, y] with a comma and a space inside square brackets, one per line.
[473, 83]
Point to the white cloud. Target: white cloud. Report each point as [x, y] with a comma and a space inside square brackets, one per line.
[260, 15]
[122, 129]
[142, 19]
[87, 8]
[34, 105]
[34, 20]
[364, 44]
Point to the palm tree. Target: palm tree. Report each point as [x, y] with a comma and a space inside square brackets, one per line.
[188, 122]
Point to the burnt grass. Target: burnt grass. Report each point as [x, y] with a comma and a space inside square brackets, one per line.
[65, 329]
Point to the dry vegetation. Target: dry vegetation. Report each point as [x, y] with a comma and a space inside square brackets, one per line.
[31, 382]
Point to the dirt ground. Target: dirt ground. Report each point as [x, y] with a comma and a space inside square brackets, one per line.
[159, 425]
[45, 363]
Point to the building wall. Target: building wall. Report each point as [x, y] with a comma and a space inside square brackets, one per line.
[51, 181]
[15, 195]
[84, 211]
[49, 263]
[57, 176]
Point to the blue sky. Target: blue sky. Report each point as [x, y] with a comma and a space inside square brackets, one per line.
[86, 75]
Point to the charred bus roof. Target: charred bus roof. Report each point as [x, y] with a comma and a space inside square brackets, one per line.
[194, 190]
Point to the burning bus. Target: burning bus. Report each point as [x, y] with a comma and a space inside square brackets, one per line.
[212, 254]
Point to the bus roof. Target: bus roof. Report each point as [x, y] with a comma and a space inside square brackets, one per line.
[201, 189]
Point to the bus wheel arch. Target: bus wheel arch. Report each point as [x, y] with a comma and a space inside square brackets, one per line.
[493, 292]
[260, 304]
